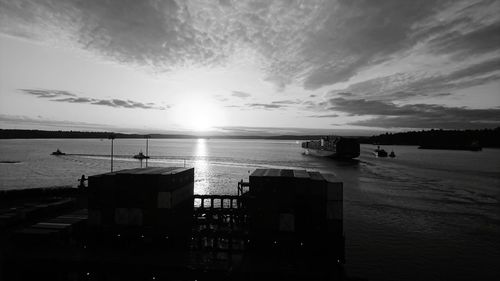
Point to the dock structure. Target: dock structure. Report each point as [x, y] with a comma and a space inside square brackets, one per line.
[146, 224]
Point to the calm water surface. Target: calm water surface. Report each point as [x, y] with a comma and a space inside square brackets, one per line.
[425, 215]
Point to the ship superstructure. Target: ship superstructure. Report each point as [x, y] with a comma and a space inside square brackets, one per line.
[333, 146]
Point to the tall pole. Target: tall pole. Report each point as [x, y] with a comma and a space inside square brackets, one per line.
[112, 138]
[147, 154]
[112, 141]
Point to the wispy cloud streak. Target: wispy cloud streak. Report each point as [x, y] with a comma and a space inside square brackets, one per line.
[407, 85]
[48, 93]
[265, 105]
[67, 97]
[390, 115]
[240, 94]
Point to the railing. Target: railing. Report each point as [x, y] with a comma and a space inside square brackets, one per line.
[241, 187]
[217, 201]
[220, 223]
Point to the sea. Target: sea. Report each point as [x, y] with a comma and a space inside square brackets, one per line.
[423, 215]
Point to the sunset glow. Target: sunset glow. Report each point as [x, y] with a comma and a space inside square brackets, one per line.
[199, 115]
[247, 66]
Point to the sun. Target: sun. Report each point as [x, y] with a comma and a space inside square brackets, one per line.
[200, 115]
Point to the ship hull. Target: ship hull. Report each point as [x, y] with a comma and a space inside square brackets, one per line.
[330, 154]
[321, 153]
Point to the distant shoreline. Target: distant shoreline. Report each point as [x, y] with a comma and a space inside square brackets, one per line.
[484, 137]
[42, 134]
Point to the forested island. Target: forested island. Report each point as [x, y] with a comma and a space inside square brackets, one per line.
[484, 137]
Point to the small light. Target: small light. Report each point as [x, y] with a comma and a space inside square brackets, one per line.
[88, 273]
[85, 246]
[166, 237]
[301, 244]
[142, 235]
[275, 242]
[338, 261]
[118, 235]
[154, 277]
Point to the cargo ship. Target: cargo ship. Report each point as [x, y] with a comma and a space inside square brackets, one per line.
[148, 224]
[333, 146]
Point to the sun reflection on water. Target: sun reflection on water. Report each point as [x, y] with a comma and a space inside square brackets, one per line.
[201, 168]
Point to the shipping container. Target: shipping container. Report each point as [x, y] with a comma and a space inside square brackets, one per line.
[144, 197]
[295, 201]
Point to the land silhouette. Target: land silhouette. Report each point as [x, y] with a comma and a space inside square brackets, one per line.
[483, 137]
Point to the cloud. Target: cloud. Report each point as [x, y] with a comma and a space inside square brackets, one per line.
[75, 100]
[324, 116]
[462, 44]
[344, 94]
[47, 93]
[361, 107]
[313, 43]
[423, 122]
[390, 115]
[65, 96]
[126, 104]
[280, 104]
[407, 85]
[315, 106]
[274, 131]
[221, 98]
[287, 102]
[265, 105]
[25, 122]
[240, 94]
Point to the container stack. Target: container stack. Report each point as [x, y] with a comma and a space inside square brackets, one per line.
[63, 230]
[305, 207]
[155, 198]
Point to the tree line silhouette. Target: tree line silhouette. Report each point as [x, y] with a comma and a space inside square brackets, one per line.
[483, 137]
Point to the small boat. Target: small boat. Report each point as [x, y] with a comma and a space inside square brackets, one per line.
[141, 156]
[58, 153]
[380, 152]
[392, 154]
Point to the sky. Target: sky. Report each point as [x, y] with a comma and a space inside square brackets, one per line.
[249, 67]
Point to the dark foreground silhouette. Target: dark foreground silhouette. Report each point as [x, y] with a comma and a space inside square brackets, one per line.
[146, 224]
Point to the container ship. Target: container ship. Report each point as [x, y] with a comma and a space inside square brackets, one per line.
[333, 146]
[147, 224]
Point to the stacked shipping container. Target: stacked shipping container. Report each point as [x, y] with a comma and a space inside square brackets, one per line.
[295, 204]
[155, 197]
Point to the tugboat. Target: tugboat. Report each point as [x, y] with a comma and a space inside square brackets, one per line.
[380, 152]
[58, 153]
[141, 156]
